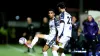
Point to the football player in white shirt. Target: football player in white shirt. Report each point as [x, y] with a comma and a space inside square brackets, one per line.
[51, 38]
[65, 28]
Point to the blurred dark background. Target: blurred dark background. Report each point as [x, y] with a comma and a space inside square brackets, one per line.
[37, 9]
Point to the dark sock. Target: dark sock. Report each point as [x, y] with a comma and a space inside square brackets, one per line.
[33, 49]
[28, 50]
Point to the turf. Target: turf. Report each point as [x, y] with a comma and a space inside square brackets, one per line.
[18, 50]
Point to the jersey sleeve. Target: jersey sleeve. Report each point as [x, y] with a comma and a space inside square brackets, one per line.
[61, 25]
[62, 17]
[60, 30]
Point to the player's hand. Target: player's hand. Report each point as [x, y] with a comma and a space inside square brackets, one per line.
[57, 38]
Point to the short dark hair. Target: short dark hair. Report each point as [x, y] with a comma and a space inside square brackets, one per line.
[51, 10]
[61, 5]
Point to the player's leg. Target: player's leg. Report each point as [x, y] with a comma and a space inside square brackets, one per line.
[54, 50]
[35, 40]
[30, 41]
[45, 48]
[37, 36]
[27, 41]
[49, 43]
[61, 51]
[62, 42]
[24, 35]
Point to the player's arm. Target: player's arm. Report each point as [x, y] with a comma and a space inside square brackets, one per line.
[61, 26]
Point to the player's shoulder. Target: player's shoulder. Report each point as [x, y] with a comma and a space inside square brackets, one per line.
[67, 14]
[52, 21]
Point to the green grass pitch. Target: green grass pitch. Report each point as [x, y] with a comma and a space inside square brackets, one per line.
[18, 50]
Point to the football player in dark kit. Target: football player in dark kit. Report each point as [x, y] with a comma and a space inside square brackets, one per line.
[90, 32]
[29, 32]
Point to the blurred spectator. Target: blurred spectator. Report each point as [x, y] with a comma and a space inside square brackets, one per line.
[98, 42]
[75, 26]
[44, 29]
[90, 32]
[81, 40]
[3, 35]
[29, 34]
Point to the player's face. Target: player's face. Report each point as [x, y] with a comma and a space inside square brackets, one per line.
[89, 18]
[51, 14]
[29, 20]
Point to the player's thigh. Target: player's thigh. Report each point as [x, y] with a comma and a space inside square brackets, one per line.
[63, 41]
[39, 35]
[55, 47]
[45, 48]
[50, 40]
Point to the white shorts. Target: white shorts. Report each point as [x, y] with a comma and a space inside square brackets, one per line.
[49, 39]
[62, 42]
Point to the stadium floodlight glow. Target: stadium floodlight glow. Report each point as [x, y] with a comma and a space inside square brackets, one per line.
[17, 17]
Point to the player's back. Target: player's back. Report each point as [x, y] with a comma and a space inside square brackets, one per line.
[67, 24]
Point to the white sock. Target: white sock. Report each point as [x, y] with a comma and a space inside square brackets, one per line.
[54, 53]
[62, 54]
[34, 41]
[45, 54]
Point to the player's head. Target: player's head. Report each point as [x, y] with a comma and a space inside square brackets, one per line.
[61, 6]
[45, 20]
[29, 20]
[51, 13]
[90, 18]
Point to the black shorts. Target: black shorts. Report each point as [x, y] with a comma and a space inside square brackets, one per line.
[28, 36]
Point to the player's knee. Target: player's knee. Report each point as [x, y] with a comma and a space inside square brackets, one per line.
[44, 50]
[54, 49]
[46, 47]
